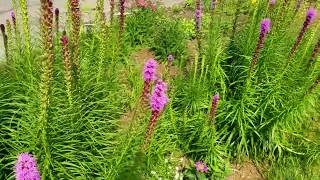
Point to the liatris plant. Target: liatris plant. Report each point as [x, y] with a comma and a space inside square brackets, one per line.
[57, 13]
[112, 5]
[264, 29]
[311, 14]
[122, 16]
[149, 74]
[26, 168]
[170, 60]
[214, 106]
[5, 40]
[201, 167]
[158, 101]
[46, 75]
[67, 66]
[25, 24]
[75, 10]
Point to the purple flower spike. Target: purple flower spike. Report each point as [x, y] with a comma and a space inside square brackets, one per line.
[198, 15]
[311, 14]
[159, 98]
[265, 26]
[149, 71]
[12, 14]
[170, 59]
[26, 168]
[214, 105]
[201, 167]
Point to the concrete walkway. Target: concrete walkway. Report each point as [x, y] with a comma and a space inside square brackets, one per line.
[34, 7]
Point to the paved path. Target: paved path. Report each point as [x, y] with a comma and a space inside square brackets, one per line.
[34, 6]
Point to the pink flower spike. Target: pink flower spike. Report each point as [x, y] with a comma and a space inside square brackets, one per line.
[26, 168]
[159, 97]
[311, 14]
[149, 71]
[265, 26]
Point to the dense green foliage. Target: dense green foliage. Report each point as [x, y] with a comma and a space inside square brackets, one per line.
[271, 117]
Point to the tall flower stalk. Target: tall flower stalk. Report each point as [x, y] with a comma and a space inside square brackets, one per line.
[264, 30]
[311, 14]
[122, 16]
[15, 28]
[25, 25]
[57, 15]
[46, 76]
[75, 10]
[198, 15]
[9, 39]
[158, 101]
[67, 66]
[5, 40]
[214, 106]
[112, 7]
[149, 74]
[26, 168]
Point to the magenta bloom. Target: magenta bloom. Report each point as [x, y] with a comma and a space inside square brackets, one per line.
[265, 26]
[272, 2]
[12, 14]
[311, 14]
[201, 167]
[159, 98]
[149, 71]
[26, 168]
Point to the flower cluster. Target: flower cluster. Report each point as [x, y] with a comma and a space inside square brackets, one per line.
[149, 74]
[159, 98]
[149, 70]
[201, 167]
[26, 168]
[144, 5]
